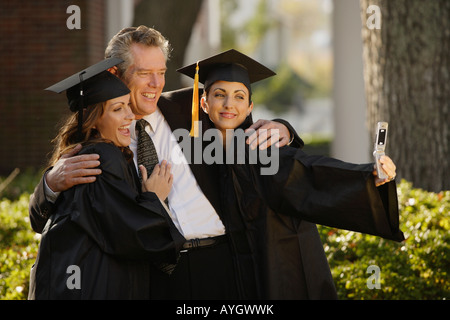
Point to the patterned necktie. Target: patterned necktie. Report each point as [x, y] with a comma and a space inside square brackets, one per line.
[147, 156]
[146, 152]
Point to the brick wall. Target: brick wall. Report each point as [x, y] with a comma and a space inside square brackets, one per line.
[36, 50]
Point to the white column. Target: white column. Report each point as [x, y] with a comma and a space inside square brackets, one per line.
[119, 14]
[351, 142]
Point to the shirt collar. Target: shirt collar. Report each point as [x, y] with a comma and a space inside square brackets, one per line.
[154, 119]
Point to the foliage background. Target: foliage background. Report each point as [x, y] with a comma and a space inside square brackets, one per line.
[417, 268]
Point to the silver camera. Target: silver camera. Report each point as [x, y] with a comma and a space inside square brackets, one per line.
[380, 146]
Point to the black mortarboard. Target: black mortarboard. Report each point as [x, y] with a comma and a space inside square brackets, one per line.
[94, 83]
[230, 65]
[90, 86]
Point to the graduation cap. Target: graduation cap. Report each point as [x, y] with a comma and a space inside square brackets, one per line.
[90, 86]
[232, 66]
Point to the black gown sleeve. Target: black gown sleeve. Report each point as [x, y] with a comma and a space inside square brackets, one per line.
[297, 142]
[331, 192]
[39, 208]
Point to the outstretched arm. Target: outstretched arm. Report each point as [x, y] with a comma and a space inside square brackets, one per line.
[338, 194]
[326, 191]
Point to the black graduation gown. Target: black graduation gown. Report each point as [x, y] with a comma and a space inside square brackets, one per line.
[109, 231]
[271, 220]
[176, 108]
[173, 106]
[278, 214]
[259, 222]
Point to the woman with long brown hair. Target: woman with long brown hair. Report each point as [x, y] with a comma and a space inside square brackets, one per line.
[101, 239]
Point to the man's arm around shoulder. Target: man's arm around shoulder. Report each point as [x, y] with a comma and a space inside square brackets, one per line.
[40, 208]
[69, 170]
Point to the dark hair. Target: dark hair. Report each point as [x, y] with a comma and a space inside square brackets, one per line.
[68, 135]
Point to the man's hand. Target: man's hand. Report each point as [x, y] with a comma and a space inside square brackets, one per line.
[268, 133]
[71, 170]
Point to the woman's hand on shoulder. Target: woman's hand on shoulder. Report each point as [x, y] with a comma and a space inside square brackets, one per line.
[159, 182]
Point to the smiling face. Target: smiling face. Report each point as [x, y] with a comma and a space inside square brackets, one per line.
[145, 78]
[227, 104]
[114, 123]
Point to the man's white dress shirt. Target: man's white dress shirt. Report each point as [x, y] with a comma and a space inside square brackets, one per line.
[191, 211]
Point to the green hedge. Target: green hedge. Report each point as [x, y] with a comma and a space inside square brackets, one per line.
[18, 248]
[417, 268]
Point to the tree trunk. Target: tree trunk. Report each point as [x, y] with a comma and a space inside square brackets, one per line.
[175, 20]
[407, 83]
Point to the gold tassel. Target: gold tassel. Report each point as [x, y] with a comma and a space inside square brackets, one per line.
[195, 106]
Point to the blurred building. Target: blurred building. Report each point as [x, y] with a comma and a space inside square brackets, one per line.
[38, 49]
